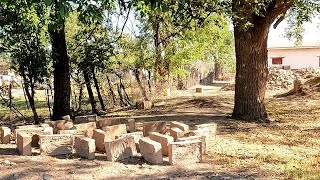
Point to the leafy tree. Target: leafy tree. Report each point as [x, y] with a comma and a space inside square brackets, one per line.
[24, 36]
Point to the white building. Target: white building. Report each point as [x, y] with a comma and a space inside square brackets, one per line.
[297, 57]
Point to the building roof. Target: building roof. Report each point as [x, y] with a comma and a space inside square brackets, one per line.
[304, 45]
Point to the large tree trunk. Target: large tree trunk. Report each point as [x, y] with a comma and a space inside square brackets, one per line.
[80, 98]
[96, 84]
[62, 87]
[89, 89]
[252, 73]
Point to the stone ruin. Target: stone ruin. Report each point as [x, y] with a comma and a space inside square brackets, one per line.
[118, 139]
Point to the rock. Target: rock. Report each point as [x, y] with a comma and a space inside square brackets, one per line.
[100, 138]
[151, 151]
[5, 133]
[164, 140]
[115, 130]
[85, 147]
[186, 152]
[155, 126]
[176, 133]
[120, 149]
[86, 119]
[144, 105]
[179, 125]
[57, 144]
[24, 141]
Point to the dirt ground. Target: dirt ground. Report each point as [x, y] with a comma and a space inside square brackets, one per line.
[287, 148]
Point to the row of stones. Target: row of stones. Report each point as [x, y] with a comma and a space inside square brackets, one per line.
[114, 141]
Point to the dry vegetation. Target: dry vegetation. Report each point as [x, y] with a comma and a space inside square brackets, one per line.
[287, 148]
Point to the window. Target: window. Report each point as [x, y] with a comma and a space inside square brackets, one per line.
[277, 60]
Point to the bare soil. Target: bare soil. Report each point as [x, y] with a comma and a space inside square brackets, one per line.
[287, 148]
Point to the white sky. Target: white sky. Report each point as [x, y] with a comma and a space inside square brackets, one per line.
[311, 34]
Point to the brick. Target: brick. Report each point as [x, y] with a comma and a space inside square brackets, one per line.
[186, 152]
[164, 140]
[198, 90]
[212, 127]
[85, 147]
[182, 126]
[115, 130]
[136, 136]
[155, 126]
[144, 105]
[132, 125]
[120, 149]
[176, 133]
[85, 119]
[194, 138]
[24, 143]
[100, 138]
[57, 144]
[151, 151]
[5, 135]
[89, 127]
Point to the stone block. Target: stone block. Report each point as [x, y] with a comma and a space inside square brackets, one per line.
[85, 147]
[24, 143]
[136, 136]
[57, 144]
[115, 130]
[27, 126]
[164, 140]
[186, 152]
[89, 127]
[106, 121]
[73, 132]
[131, 124]
[35, 132]
[5, 135]
[212, 127]
[151, 151]
[198, 90]
[182, 126]
[144, 105]
[176, 133]
[195, 138]
[201, 132]
[155, 126]
[120, 149]
[100, 138]
[85, 119]
[61, 125]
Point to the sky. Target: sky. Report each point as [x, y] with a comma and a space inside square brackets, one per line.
[311, 34]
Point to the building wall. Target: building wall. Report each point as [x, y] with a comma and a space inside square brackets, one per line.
[297, 58]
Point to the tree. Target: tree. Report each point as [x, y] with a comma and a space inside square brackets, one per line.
[252, 21]
[25, 38]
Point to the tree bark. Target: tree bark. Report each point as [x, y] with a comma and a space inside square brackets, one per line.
[142, 89]
[96, 84]
[30, 97]
[91, 97]
[111, 91]
[80, 98]
[217, 71]
[62, 87]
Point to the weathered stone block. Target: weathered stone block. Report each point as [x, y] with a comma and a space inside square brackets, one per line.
[131, 124]
[182, 126]
[57, 144]
[212, 127]
[186, 152]
[5, 135]
[201, 132]
[106, 121]
[195, 138]
[115, 130]
[176, 133]
[24, 143]
[35, 132]
[155, 126]
[100, 138]
[120, 149]
[151, 151]
[73, 132]
[61, 125]
[136, 136]
[164, 140]
[144, 105]
[27, 127]
[85, 119]
[85, 147]
[89, 127]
